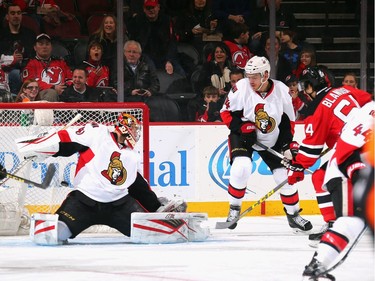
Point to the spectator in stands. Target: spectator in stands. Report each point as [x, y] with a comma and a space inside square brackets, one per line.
[290, 47]
[236, 75]
[18, 41]
[98, 74]
[79, 91]
[4, 80]
[195, 22]
[29, 91]
[350, 79]
[155, 31]
[172, 82]
[237, 44]
[259, 28]
[140, 80]
[107, 36]
[215, 72]
[292, 82]
[226, 11]
[306, 58]
[282, 67]
[53, 74]
[205, 108]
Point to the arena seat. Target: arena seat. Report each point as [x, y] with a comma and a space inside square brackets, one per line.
[163, 109]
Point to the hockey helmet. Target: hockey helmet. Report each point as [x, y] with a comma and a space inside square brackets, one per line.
[313, 76]
[130, 127]
[257, 65]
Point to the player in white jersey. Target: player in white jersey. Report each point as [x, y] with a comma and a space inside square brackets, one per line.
[108, 184]
[347, 162]
[260, 109]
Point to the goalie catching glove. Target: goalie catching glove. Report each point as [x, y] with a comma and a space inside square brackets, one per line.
[248, 133]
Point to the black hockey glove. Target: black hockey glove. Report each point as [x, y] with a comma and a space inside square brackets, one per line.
[248, 133]
[3, 172]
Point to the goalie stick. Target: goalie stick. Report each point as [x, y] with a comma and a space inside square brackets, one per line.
[46, 182]
[227, 224]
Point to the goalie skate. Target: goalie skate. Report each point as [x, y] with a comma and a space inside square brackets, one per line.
[298, 223]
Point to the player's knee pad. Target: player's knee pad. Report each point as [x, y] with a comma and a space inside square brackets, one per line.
[334, 186]
[240, 172]
[44, 229]
[318, 179]
[349, 226]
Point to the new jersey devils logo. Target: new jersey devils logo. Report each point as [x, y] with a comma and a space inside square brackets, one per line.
[116, 172]
[52, 75]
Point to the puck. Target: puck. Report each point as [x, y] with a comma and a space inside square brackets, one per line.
[64, 183]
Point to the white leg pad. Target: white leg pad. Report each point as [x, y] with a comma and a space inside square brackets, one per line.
[163, 228]
[43, 229]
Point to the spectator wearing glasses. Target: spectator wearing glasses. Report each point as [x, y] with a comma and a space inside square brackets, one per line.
[29, 91]
[140, 80]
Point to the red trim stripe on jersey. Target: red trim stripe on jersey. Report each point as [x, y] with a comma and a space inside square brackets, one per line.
[290, 200]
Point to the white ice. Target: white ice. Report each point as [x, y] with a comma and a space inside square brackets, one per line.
[259, 249]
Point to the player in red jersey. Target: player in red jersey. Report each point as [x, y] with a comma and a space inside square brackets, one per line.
[325, 115]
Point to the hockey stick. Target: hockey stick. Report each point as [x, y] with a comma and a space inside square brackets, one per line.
[274, 152]
[46, 182]
[223, 225]
[226, 224]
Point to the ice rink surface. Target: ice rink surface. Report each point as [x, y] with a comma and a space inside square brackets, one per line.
[259, 249]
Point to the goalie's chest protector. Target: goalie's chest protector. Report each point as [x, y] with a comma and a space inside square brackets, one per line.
[106, 170]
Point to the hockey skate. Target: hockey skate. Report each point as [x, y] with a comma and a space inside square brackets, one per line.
[298, 223]
[234, 213]
[316, 271]
[315, 238]
[178, 206]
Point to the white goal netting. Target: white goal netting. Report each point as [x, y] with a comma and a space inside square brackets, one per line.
[19, 200]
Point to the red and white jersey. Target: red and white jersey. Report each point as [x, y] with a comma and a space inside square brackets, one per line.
[95, 80]
[106, 169]
[265, 110]
[4, 80]
[240, 54]
[326, 123]
[48, 73]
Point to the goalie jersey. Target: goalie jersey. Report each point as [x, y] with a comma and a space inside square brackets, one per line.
[105, 168]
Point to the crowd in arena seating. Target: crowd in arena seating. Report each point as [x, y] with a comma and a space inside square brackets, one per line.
[170, 47]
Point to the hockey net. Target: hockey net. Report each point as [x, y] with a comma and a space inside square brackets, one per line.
[18, 200]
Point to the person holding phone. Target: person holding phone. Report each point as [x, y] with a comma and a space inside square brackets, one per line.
[140, 80]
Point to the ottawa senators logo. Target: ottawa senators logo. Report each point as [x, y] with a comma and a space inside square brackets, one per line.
[263, 121]
[52, 75]
[116, 172]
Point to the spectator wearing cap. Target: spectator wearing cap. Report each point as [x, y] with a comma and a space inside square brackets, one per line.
[52, 74]
[17, 41]
[292, 82]
[157, 36]
[98, 74]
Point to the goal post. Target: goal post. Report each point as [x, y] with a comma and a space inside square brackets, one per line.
[19, 200]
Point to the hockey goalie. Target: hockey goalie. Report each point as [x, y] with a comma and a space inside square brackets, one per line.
[109, 189]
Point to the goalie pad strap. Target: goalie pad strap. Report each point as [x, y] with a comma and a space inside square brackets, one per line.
[162, 228]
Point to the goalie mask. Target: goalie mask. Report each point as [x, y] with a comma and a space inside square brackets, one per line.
[128, 126]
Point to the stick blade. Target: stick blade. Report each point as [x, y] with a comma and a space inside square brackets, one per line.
[49, 176]
[224, 224]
